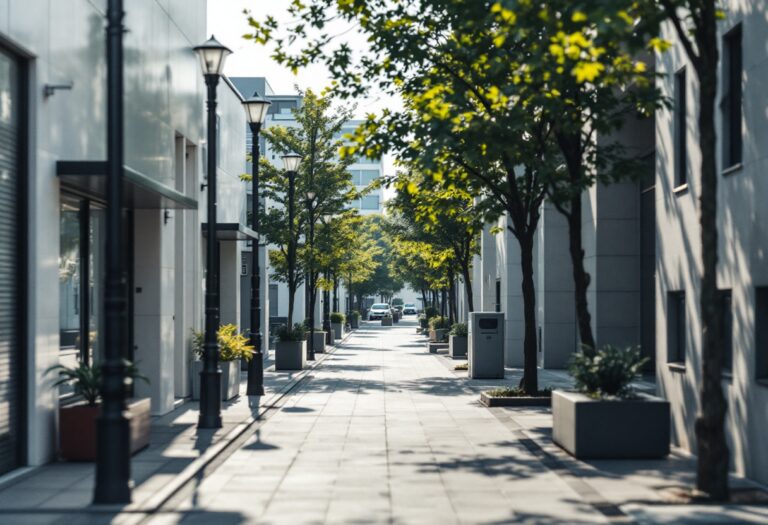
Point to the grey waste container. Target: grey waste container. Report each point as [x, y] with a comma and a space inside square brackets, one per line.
[486, 345]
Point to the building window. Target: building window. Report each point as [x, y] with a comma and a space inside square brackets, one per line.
[355, 177]
[761, 333]
[368, 176]
[681, 129]
[726, 310]
[732, 97]
[676, 339]
[370, 202]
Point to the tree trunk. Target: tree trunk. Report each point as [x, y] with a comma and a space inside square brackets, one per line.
[424, 301]
[442, 303]
[530, 382]
[451, 301]
[713, 455]
[467, 287]
[581, 278]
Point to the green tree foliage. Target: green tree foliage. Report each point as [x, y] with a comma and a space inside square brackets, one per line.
[317, 139]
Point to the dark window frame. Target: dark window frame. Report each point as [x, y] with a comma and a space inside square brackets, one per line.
[681, 127]
[677, 340]
[731, 104]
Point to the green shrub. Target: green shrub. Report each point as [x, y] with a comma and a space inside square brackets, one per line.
[232, 344]
[423, 321]
[354, 314]
[459, 330]
[516, 392]
[438, 323]
[608, 373]
[430, 312]
[86, 379]
[337, 317]
[297, 333]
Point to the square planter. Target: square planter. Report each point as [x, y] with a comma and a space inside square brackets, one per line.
[438, 335]
[290, 355]
[457, 346]
[230, 378]
[354, 322]
[77, 429]
[319, 341]
[386, 321]
[434, 347]
[606, 429]
[338, 330]
[522, 401]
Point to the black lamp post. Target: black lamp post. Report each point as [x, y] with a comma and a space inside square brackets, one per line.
[113, 448]
[256, 111]
[310, 210]
[212, 57]
[291, 163]
[327, 295]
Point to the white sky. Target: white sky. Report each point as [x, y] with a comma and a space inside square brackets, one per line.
[228, 23]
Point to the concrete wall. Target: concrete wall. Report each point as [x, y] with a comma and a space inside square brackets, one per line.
[743, 244]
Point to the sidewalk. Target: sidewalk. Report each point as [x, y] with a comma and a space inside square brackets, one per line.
[177, 451]
[384, 432]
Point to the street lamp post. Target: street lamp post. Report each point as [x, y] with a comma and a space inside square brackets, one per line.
[256, 111]
[291, 163]
[113, 448]
[310, 203]
[327, 295]
[212, 57]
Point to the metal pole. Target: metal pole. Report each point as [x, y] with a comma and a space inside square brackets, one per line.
[113, 449]
[311, 353]
[327, 314]
[210, 376]
[291, 241]
[256, 364]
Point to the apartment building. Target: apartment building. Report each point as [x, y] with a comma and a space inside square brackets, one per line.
[52, 189]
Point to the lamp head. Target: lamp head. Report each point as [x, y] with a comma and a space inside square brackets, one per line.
[256, 109]
[212, 56]
[291, 161]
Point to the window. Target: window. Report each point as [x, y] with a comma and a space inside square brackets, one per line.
[370, 202]
[354, 204]
[726, 311]
[355, 177]
[761, 333]
[731, 102]
[368, 176]
[676, 339]
[681, 129]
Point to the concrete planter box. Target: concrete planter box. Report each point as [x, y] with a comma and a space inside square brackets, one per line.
[230, 378]
[457, 346]
[396, 318]
[434, 347]
[514, 401]
[77, 429]
[354, 322]
[438, 334]
[319, 341]
[600, 429]
[386, 321]
[290, 355]
[338, 330]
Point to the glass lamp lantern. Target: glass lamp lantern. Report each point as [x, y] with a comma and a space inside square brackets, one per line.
[212, 56]
[256, 109]
[291, 161]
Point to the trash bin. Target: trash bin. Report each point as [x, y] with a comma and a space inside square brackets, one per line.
[486, 345]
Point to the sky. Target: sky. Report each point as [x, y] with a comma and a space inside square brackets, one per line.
[228, 23]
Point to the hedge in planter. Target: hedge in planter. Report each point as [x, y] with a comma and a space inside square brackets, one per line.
[605, 418]
[458, 340]
[337, 324]
[438, 329]
[354, 319]
[77, 422]
[233, 347]
[290, 350]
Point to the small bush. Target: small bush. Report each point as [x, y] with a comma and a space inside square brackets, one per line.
[461, 366]
[286, 334]
[430, 312]
[423, 321]
[354, 314]
[459, 330]
[337, 317]
[516, 392]
[438, 323]
[232, 344]
[608, 373]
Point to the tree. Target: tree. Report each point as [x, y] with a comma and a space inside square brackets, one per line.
[321, 172]
[695, 24]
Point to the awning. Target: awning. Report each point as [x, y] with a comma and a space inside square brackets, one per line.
[231, 231]
[89, 177]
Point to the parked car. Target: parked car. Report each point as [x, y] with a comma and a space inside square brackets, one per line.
[378, 311]
[409, 309]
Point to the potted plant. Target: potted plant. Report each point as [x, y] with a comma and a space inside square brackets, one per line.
[438, 329]
[291, 348]
[457, 343]
[423, 323]
[354, 319]
[337, 324]
[233, 347]
[386, 320]
[77, 421]
[605, 417]
[319, 336]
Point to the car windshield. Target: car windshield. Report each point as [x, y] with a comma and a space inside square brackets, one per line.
[379, 307]
[410, 305]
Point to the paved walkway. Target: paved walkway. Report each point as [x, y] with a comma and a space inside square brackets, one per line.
[384, 432]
